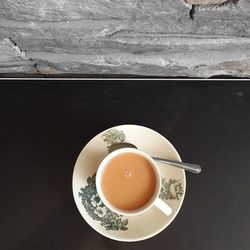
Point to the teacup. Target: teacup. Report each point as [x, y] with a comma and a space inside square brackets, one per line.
[128, 182]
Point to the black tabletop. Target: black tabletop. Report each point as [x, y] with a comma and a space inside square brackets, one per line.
[44, 126]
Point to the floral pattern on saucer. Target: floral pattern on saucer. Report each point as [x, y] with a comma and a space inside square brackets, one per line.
[171, 190]
[97, 210]
[113, 136]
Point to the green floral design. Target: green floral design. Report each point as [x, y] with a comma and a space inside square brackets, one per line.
[97, 210]
[171, 190]
[113, 136]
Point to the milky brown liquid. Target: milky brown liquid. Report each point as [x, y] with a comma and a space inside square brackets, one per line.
[128, 181]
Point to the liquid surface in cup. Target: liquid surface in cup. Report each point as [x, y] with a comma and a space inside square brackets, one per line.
[128, 181]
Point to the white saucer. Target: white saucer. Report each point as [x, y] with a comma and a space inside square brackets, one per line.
[116, 226]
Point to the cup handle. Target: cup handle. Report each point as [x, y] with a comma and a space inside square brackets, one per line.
[163, 206]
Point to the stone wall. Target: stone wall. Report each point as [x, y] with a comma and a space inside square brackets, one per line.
[130, 37]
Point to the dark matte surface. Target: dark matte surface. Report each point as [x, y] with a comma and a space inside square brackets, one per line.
[44, 126]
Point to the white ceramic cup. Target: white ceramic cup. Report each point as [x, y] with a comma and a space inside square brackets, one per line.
[154, 201]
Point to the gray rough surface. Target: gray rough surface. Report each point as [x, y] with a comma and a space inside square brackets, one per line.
[138, 37]
[206, 1]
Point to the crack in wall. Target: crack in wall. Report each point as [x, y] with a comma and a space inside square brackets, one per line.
[17, 50]
[192, 12]
[224, 5]
[20, 52]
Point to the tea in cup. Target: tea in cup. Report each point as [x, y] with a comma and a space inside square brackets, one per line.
[128, 182]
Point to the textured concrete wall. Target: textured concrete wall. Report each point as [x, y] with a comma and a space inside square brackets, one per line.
[207, 2]
[138, 37]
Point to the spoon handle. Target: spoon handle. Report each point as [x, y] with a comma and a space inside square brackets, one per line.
[194, 168]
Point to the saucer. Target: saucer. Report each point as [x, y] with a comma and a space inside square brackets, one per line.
[99, 217]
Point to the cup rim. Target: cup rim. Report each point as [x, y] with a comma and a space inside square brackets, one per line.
[150, 203]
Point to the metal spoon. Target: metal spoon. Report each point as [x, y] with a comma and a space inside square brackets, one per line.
[194, 168]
